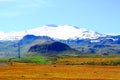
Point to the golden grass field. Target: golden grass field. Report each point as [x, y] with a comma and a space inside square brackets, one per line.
[32, 71]
[77, 61]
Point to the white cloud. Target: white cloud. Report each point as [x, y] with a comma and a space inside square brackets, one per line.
[24, 3]
[32, 3]
[13, 8]
[7, 0]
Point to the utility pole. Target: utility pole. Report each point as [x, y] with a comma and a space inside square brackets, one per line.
[19, 50]
[18, 45]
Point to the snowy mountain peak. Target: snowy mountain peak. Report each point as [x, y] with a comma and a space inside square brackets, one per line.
[57, 32]
[52, 25]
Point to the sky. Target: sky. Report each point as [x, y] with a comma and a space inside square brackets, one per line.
[102, 16]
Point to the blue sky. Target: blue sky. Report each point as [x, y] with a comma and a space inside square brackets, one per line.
[102, 16]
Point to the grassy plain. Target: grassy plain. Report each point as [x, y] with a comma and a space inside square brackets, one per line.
[31, 71]
[88, 61]
[58, 71]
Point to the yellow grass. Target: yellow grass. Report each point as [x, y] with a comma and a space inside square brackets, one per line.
[28, 71]
[86, 60]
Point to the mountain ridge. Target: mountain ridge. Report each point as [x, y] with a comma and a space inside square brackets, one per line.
[105, 45]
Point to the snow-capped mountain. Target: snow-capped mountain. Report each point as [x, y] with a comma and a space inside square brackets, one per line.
[57, 32]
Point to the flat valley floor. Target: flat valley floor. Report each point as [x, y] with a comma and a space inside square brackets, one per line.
[29, 71]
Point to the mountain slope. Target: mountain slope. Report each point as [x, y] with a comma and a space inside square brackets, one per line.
[101, 45]
[28, 39]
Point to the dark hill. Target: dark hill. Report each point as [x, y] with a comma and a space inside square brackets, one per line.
[53, 48]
